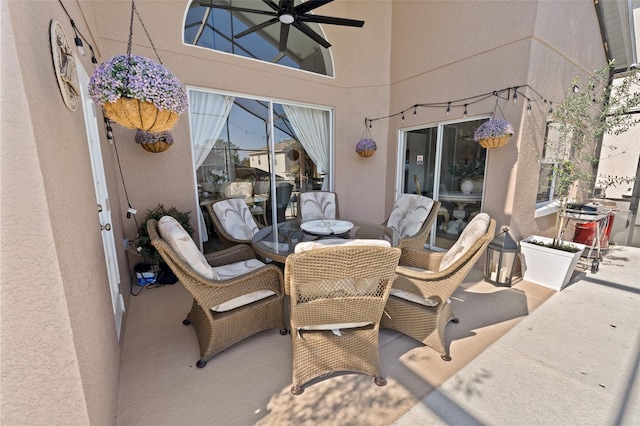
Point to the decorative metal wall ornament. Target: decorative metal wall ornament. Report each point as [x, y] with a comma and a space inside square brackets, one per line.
[64, 64]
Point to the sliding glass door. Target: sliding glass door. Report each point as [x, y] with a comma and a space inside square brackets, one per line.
[264, 151]
[443, 162]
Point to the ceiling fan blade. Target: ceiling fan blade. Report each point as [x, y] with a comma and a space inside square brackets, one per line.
[235, 9]
[309, 5]
[256, 28]
[284, 37]
[272, 5]
[286, 5]
[331, 20]
[312, 34]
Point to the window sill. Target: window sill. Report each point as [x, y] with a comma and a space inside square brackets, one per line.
[547, 209]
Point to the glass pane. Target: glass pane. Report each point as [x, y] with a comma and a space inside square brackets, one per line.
[420, 161]
[461, 179]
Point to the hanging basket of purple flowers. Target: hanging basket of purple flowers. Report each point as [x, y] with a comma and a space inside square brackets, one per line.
[366, 147]
[154, 142]
[493, 133]
[138, 93]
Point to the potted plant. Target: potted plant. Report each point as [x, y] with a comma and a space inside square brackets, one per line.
[138, 93]
[493, 133]
[152, 259]
[581, 119]
[366, 147]
[154, 141]
[467, 171]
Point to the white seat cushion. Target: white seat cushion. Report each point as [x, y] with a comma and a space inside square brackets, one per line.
[409, 213]
[317, 205]
[236, 218]
[411, 297]
[233, 270]
[243, 300]
[474, 230]
[335, 328]
[332, 242]
[179, 240]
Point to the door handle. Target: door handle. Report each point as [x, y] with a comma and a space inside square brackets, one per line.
[99, 208]
[105, 227]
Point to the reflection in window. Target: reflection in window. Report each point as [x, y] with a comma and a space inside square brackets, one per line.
[232, 142]
[445, 163]
[213, 28]
[552, 153]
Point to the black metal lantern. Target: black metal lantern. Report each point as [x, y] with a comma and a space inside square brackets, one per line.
[501, 259]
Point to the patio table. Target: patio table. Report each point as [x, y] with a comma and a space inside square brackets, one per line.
[276, 242]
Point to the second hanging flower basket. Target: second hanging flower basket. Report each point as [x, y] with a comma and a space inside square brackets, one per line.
[154, 142]
[138, 93]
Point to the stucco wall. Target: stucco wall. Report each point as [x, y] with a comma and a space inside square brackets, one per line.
[446, 51]
[57, 320]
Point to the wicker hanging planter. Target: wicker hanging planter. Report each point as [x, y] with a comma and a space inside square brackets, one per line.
[494, 142]
[137, 114]
[137, 92]
[154, 142]
[366, 152]
[493, 133]
[366, 146]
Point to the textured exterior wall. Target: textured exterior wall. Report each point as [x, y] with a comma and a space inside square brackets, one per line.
[60, 362]
[445, 51]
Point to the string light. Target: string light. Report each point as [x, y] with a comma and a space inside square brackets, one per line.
[550, 108]
[78, 38]
[465, 103]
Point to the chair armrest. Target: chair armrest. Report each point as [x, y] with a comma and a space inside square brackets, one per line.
[423, 259]
[229, 255]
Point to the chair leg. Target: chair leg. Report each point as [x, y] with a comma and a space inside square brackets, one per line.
[380, 381]
[297, 390]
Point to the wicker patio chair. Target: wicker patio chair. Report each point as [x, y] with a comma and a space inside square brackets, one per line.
[419, 305]
[314, 205]
[337, 297]
[233, 221]
[412, 217]
[240, 297]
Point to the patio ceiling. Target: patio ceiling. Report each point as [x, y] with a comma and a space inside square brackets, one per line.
[617, 25]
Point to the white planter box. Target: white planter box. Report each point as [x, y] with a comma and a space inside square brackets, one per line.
[545, 266]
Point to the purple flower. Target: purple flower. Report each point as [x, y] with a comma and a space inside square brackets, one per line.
[137, 77]
[366, 145]
[151, 137]
[492, 129]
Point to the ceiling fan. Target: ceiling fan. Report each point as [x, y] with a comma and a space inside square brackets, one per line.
[287, 14]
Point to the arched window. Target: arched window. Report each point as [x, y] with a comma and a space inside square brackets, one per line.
[240, 33]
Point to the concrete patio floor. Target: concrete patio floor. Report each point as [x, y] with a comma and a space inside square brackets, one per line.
[572, 361]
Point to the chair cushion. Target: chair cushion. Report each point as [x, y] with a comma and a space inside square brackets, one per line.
[331, 242]
[317, 205]
[474, 230]
[236, 218]
[233, 270]
[179, 240]
[243, 300]
[409, 213]
[412, 297]
[335, 328]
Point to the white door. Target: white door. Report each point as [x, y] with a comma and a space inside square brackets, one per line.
[103, 207]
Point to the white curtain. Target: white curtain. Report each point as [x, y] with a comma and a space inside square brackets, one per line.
[312, 129]
[207, 115]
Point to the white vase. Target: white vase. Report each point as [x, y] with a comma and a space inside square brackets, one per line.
[466, 186]
[546, 266]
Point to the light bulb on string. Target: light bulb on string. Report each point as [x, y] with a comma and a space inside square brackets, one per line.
[550, 108]
[415, 110]
[77, 39]
[528, 108]
[448, 109]
[515, 94]
[465, 111]
[402, 114]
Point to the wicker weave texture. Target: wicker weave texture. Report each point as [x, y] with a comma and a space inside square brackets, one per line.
[337, 285]
[423, 323]
[218, 331]
[136, 114]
